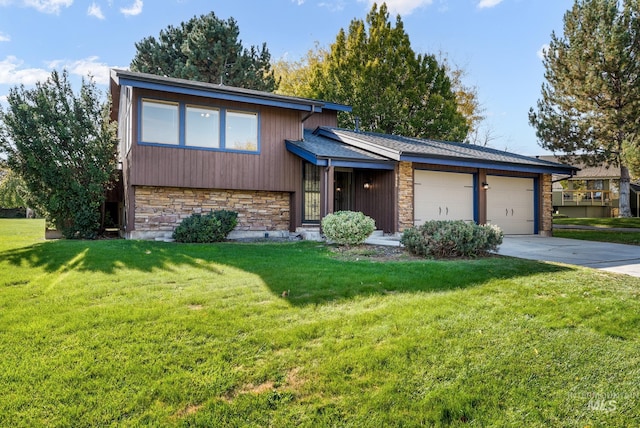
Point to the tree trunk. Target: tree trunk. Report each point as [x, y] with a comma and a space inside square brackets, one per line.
[624, 202]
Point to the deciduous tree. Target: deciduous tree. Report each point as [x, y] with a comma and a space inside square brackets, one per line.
[393, 90]
[206, 49]
[63, 146]
[591, 97]
[13, 192]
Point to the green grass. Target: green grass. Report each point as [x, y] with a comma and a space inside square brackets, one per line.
[632, 222]
[604, 235]
[630, 238]
[127, 333]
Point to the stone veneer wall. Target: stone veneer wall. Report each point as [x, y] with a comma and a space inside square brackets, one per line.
[158, 210]
[546, 187]
[405, 196]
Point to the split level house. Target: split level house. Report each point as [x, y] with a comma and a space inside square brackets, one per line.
[283, 164]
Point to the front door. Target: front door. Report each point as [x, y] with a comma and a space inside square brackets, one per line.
[343, 190]
[311, 193]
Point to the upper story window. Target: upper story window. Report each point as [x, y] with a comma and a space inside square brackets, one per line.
[195, 126]
[202, 127]
[160, 122]
[241, 131]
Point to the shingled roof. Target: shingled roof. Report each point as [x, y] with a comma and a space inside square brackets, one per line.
[322, 151]
[442, 152]
[216, 91]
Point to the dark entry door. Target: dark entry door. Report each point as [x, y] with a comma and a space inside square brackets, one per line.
[343, 191]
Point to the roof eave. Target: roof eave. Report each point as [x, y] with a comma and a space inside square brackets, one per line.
[337, 161]
[185, 87]
[359, 143]
[487, 164]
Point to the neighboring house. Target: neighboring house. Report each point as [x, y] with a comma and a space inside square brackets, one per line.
[282, 164]
[590, 192]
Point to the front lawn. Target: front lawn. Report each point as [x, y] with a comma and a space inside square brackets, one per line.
[629, 238]
[130, 333]
[608, 222]
[602, 234]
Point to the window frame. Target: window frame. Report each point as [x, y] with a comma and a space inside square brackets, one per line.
[186, 135]
[226, 123]
[141, 120]
[182, 119]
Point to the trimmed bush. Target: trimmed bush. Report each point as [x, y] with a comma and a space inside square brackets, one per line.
[214, 226]
[348, 227]
[447, 239]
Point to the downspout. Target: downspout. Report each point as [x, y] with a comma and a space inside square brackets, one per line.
[304, 119]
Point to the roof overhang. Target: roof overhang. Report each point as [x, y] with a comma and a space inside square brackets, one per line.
[219, 92]
[479, 163]
[359, 143]
[319, 160]
[475, 162]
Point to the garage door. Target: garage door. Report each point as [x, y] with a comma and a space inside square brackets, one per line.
[510, 204]
[442, 196]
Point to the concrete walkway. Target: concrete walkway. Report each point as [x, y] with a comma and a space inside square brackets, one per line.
[617, 258]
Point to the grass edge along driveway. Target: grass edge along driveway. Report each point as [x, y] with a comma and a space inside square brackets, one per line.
[132, 333]
[616, 230]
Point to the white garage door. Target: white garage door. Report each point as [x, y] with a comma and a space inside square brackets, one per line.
[510, 204]
[442, 196]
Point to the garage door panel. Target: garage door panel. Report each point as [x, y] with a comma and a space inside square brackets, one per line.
[442, 196]
[510, 204]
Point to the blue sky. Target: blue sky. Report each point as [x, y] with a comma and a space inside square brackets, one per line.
[498, 42]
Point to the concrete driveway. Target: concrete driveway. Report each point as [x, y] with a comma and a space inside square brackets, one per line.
[617, 258]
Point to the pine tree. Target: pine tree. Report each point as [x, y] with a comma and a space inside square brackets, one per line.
[591, 97]
[206, 49]
[393, 90]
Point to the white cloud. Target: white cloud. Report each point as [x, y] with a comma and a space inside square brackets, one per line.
[4, 37]
[542, 51]
[298, 2]
[403, 7]
[95, 11]
[333, 6]
[488, 3]
[48, 6]
[12, 74]
[133, 10]
[84, 68]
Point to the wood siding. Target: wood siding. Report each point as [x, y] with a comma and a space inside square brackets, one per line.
[326, 118]
[380, 201]
[274, 168]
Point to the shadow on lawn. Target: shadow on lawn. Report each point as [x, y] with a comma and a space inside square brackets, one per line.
[306, 271]
[104, 256]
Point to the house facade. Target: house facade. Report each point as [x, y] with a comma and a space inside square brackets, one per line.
[590, 192]
[281, 162]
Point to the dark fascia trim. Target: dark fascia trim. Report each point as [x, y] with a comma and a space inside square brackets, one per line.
[337, 107]
[343, 163]
[419, 158]
[361, 144]
[221, 92]
[486, 164]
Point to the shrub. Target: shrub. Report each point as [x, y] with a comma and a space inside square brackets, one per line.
[444, 239]
[62, 147]
[348, 227]
[211, 227]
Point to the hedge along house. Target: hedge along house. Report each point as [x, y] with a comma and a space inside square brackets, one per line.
[280, 162]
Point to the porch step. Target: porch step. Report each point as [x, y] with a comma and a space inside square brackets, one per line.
[309, 233]
[379, 238]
